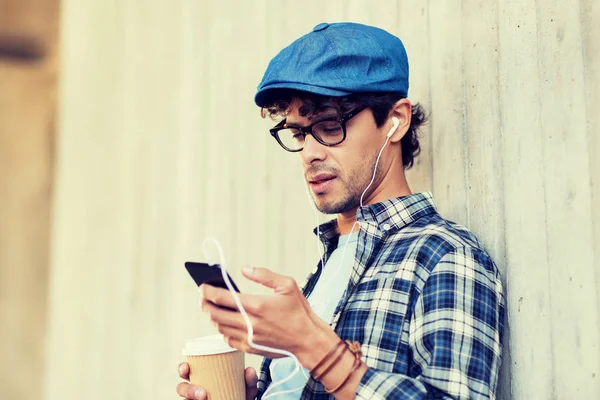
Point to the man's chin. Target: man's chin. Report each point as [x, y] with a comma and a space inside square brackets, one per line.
[323, 205]
[327, 210]
[330, 207]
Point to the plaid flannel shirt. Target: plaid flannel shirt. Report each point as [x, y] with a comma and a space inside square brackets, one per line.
[425, 301]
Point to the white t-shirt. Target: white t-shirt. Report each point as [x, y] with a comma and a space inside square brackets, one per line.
[323, 300]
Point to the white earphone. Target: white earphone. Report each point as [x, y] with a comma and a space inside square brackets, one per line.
[396, 123]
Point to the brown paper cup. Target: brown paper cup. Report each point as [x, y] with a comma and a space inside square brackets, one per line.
[216, 367]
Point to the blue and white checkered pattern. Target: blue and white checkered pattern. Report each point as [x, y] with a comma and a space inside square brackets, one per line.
[425, 301]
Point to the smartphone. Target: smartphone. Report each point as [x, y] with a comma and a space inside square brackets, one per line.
[209, 274]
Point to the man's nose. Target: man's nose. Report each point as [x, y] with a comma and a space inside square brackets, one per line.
[313, 150]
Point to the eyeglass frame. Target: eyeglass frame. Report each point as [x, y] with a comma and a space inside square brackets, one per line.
[309, 129]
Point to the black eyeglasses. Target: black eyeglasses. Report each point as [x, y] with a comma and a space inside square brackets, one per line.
[329, 131]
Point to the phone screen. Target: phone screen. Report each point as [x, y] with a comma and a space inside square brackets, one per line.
[210, 274]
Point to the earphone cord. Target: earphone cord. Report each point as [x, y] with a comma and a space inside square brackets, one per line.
[251, 343]
[238, 303]
[361, 204]
[316, 212]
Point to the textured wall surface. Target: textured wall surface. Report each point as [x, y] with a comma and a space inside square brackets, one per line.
[28, 74]
[160, 146]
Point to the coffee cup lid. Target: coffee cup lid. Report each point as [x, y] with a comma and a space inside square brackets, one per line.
[207, 345]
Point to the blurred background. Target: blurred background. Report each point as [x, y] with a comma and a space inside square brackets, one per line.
[128, 134]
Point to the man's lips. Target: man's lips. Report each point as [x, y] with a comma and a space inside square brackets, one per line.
[321, 182]
[321, 178]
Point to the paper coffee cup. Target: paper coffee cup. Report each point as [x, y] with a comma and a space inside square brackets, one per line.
[216, 367]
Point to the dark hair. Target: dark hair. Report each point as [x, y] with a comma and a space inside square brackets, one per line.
[380, 104]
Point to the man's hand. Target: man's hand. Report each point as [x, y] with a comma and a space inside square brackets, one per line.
[191, 392]
[282, 320]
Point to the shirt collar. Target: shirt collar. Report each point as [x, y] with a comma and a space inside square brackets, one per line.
[389, 215]
[328, 233]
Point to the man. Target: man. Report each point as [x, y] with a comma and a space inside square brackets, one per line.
[418, 294]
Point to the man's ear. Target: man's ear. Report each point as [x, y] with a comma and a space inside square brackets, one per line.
[402, 111]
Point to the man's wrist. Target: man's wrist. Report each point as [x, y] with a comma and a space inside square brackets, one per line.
[315, 347]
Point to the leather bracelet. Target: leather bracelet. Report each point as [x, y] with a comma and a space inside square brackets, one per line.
[355, 349]
[329, 354]
[319, 375]
[355, 366]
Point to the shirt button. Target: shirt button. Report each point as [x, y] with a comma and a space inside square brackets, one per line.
[320, 27]
[386, 227]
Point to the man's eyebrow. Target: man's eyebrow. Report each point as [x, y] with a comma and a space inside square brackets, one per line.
[292, 125]
[324, 115]
[314, 119]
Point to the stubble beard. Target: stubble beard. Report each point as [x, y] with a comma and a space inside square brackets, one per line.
[355, 184]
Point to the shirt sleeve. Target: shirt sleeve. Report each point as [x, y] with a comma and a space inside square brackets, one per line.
[456, 334]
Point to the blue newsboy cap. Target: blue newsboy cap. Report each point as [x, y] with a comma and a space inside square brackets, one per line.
[336, 60]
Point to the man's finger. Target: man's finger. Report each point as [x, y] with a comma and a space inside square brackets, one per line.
[239, 335]
[192, 392]
[267, 277]
[223, 316]
[219, 296]
[251, 379]
[225, 301]
[184, 371]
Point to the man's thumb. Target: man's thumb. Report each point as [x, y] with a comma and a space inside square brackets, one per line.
[251, 381]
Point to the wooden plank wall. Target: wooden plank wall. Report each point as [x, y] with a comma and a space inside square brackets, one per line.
[161, 146]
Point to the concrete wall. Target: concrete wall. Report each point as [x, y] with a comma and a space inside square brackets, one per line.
[28, 73]
[160, 146]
